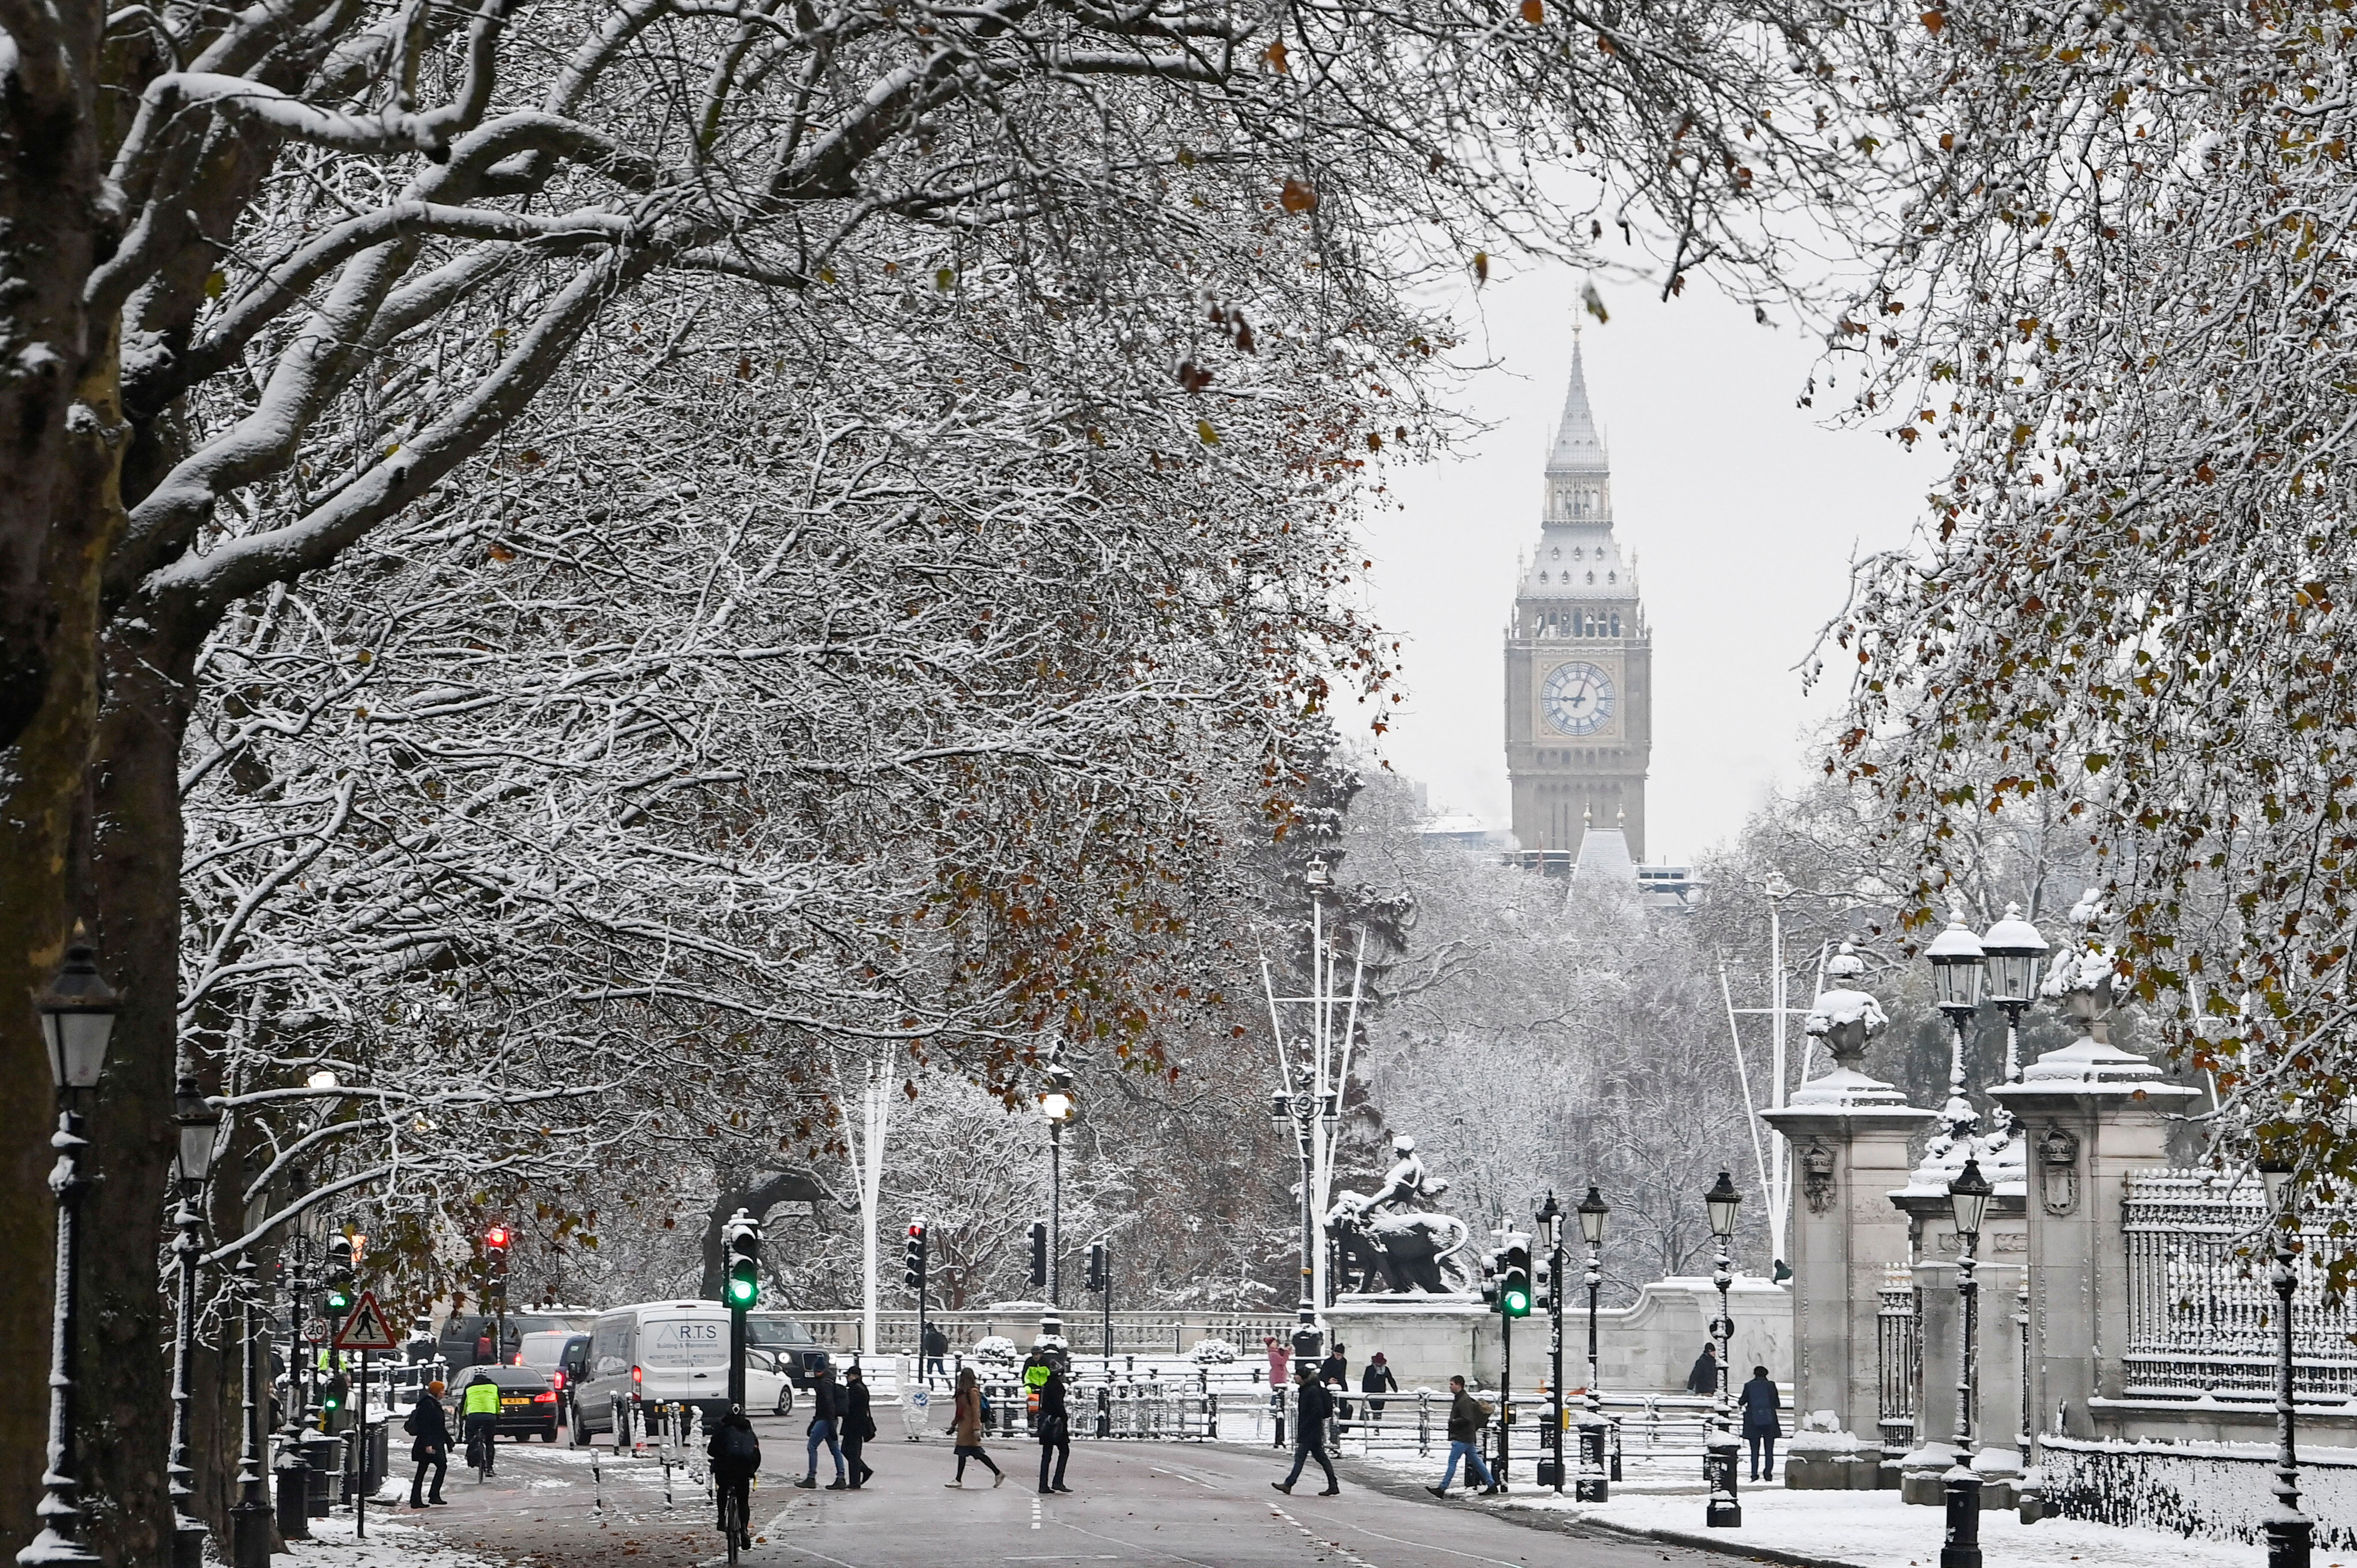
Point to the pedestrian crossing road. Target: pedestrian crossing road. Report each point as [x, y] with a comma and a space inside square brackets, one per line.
[1156, 1505]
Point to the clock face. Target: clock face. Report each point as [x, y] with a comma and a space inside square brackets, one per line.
[1579, 698]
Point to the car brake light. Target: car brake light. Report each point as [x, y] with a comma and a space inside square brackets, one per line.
[543, 1397]
[560, 1380]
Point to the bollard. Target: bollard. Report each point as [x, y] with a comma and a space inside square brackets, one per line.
[1105, 1411]
[1424, 1422]
[294, 1495]
[597, 1484]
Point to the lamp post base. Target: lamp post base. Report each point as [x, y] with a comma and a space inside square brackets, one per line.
[1962, 1549]
[1724, 1511]
[188, 1537]
[2288, 1542]
[249, 1535]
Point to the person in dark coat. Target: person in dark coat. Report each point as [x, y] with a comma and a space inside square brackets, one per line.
[858, 1426]
[1377, 1379]
[429, 1423]
[937, 1345]
[1761, 1426]
[736, 1455]
[1704, 1379]
[1334, 1371]
[1313, 1407]
[1055, 1434]
[826, 1430]
[1467, 1419]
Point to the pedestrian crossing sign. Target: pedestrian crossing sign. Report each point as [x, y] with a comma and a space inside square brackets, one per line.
[366, 1328]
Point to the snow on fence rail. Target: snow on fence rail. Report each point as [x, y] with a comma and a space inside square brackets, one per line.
[2202, 1299]
[1134, 1333]
[2221, 1491]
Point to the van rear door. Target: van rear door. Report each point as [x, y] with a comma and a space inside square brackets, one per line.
[685, 1354]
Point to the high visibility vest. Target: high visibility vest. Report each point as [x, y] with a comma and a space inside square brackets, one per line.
[483, 1398]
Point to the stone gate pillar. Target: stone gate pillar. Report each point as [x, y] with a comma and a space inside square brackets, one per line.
[1848, 1133]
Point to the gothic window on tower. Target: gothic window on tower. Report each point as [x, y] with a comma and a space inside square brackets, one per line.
[1616, 625]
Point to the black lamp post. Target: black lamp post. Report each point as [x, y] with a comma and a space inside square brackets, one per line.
[1550, 1222]
[198, 1126]
[1959, 967]
[1968, 1197]
[1595, 1484]
[77, 1019]
[2288, 1529]
[1057, 1106]
[1723, 1512]
[250, 1515]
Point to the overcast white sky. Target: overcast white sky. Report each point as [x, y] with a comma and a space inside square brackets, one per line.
[1743, 513]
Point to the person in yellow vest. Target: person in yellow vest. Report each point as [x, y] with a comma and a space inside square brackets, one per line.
[482, 1415]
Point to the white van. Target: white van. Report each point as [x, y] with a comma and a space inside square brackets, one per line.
[664, 1351]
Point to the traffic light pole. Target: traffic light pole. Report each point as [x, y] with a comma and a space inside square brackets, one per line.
[742, 1287]
[1555, 1352]
[1505, 1395]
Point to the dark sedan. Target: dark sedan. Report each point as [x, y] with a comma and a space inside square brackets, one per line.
[527, 1402]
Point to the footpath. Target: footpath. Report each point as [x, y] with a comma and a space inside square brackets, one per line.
[1814, 1529]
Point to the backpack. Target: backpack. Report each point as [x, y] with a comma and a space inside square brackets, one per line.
[738, 1445]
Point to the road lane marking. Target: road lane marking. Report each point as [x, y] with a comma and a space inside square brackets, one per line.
[1426, 1546]
[1335, 1547]
[1183, 1475]
[1135, 1546]
[1035, 1513]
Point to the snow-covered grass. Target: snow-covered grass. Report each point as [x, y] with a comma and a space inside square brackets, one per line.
[1864, 1529]
[389, 1545]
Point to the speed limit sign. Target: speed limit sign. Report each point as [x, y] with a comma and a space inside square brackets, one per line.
[315, 1330]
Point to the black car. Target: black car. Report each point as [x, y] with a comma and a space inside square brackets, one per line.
[778, 1344]
[527, 1402]
[466, 1340]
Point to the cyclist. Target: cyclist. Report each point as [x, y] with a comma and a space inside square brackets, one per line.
[482, 1423]
[735, 1454]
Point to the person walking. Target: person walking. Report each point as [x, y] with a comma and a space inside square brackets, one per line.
[429, 1423]
[736, 1455]
[826, 1428]
[858, 1425]
[1377, 1379]
[1335, 1373]
[1313, 1408]
[1761, 1425]
[1703, 1378]
[965, 1427]
[937, 1345]
[1468, 1418]
[1055, 1434]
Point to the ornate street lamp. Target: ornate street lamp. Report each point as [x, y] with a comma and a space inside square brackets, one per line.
[2289, 1530]
[200, 1127]
[1595, 1484]
[2014, 949]
[77, 1015]
[1550, 1223]
[1968, 1198]
[1959, 966]
[1723, 1511]
[1058, 1105]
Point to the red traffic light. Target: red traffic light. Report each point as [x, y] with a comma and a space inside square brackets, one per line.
[496, 1238]
[917, 1230]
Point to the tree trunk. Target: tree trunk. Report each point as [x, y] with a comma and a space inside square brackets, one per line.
[757, 1197]
[57, 519]
[134, 879]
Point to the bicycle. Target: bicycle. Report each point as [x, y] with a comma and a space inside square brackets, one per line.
[729, 1524]
[479, 1455]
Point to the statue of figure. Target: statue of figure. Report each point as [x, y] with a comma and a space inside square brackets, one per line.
[1407, 1249]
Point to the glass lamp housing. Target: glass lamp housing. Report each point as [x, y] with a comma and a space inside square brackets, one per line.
[77, 1019]
[1592, 1211]
[1720, 1200]
[1968, 1198]
[1958, 966]
[2014, 949]
[198, 1124]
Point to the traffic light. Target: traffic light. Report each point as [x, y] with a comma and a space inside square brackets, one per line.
[495, 1260]
[1100, 1266]
[744, 1286]
[912, 1257]
[1514, 1281]
[1039, 1254]
[332, 1392]
[1490, 1265]
[341, 1294]
[1542, 1282]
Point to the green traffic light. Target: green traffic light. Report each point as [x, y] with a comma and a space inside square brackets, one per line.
[743, 1289]
[1518, 1304]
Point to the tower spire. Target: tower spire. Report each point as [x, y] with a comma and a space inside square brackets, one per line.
[1577, 446]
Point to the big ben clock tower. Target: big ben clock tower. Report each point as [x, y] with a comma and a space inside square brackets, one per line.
[1579, 662]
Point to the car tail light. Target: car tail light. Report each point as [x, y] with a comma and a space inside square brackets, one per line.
[560, 1380]
[545, 1397]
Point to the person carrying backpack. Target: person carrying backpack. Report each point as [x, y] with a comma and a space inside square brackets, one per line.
[429, 1423]
[1313, 1407]
[735, 1454]
[1467, 1419]
[482, 1412]
[1055, 1432]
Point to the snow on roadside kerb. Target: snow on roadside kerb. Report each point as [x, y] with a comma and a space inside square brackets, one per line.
[1860, 1529]
[389, 1545]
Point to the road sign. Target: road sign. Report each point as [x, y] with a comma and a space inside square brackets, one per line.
[366, 1328]
[315, 1329]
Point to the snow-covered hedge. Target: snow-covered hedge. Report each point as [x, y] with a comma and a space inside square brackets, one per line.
[1214, 1352]
[995, 1348]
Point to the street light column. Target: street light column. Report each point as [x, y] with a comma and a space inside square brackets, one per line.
[77, 1016]
[198, 1127]
[1968, 1197]
[1595, 1480]
[1723, 1511]
[2289, 1530]
[250, 1517]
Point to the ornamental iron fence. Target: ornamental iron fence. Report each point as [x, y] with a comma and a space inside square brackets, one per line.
[1899, 1348]
[2202, 1298]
